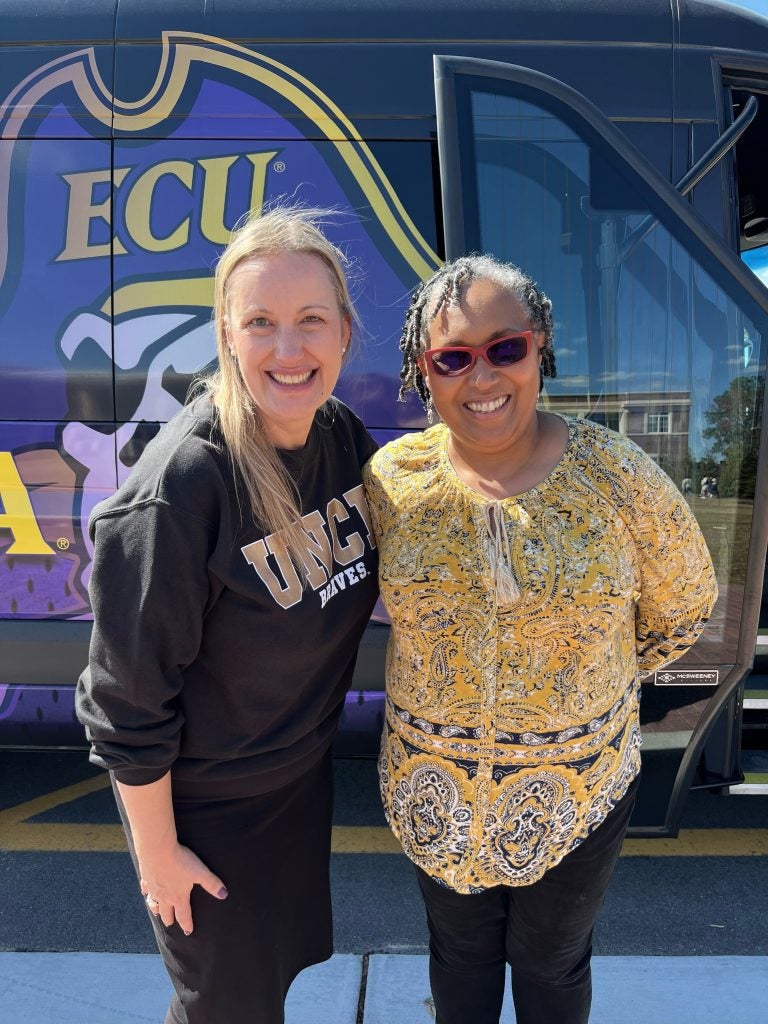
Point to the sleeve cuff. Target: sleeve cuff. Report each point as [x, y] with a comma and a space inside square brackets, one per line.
[138, 776]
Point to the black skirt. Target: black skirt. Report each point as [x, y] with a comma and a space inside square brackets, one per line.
[272, 852]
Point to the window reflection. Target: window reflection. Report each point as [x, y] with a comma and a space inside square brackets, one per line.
[757, 261]
[646, 340]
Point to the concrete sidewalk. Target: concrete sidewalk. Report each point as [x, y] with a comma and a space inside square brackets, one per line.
[131, 988]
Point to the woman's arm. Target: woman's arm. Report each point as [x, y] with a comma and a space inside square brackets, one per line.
[167, 870]
[678, 588]
[149, 589]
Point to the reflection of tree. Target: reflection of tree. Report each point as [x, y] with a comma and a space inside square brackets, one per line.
[680, 466]
[734, 430]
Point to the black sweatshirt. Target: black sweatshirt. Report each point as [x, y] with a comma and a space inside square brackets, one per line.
[208, 657]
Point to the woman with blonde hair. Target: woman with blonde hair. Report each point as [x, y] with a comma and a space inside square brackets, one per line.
[233, 576]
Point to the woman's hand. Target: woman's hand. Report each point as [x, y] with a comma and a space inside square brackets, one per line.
[168, 870]
[167, 878]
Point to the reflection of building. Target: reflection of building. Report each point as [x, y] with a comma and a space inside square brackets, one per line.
[657, 421]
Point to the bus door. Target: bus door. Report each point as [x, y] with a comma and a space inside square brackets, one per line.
[748, 226]
[653, 317]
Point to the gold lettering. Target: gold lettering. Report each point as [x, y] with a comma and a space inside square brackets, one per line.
[354, 547]
[356, 498]
[138, 207]
[318, 558]
[256, 554]
[19, 517]
[215, 181]
[259, 177]
[82, 211]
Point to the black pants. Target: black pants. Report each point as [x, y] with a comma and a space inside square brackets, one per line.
[543, 930]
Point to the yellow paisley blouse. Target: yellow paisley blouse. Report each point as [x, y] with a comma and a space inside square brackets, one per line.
[512, 725]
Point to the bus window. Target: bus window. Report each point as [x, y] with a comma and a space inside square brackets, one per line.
[752, 197]
[752, 185]
[651, 330]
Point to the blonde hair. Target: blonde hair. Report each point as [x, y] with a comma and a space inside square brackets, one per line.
[274, 500]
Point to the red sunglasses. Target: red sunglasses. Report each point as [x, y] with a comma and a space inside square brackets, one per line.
[456, 360]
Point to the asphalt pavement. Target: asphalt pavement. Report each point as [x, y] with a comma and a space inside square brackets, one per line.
[682, 937]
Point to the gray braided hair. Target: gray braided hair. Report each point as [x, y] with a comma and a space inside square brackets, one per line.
[445, 287]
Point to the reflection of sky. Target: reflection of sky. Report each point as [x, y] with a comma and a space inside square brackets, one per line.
[758, 6]
[757, 259]
[645, 319]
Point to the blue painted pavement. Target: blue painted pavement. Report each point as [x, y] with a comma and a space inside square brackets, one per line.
[131, 988]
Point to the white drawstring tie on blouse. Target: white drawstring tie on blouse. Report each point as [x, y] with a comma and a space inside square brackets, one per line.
[499, 555]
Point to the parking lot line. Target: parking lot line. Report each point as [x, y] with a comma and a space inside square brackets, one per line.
[18, 832]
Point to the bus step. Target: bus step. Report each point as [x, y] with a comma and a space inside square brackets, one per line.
[754, 764]
[756, 692]
[754, 784]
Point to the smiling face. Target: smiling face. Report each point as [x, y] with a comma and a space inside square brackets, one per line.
[285, 328]
[488, 410]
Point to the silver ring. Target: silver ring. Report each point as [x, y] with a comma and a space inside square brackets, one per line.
[151, 901]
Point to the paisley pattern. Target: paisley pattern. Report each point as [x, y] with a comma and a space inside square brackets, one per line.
[512, 727]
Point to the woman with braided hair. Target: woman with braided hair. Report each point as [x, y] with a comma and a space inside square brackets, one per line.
[533, 566]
